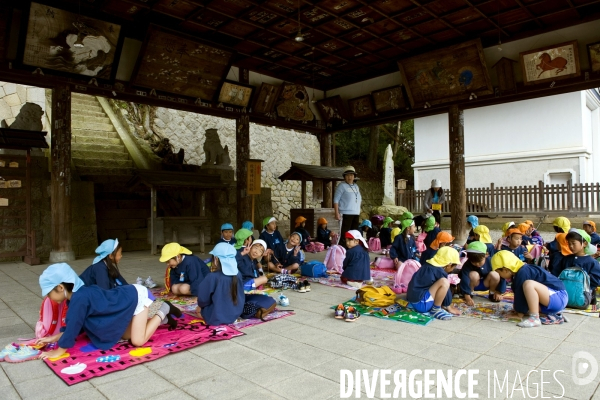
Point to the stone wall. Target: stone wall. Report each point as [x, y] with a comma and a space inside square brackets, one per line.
[372, 196]
[278, 148]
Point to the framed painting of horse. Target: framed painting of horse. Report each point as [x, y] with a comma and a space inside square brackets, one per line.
[550, 63]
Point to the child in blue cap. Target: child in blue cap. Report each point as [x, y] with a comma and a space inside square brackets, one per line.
[221, 294]
[104, 270]
[105, 316]
[227, 234]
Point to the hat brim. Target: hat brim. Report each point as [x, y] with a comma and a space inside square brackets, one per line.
[349, 172]
[167, 257]
[228, 266]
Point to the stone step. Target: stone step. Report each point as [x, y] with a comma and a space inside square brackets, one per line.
[86, 107]
[112, 148]
[95, 140]
[94, 133]
[90, 119]
[92, 126]
[103, 172]
[87, 112]
[102, 162]
[104, 155]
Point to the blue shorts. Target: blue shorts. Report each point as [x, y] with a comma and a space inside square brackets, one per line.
[558, 302]
[249, 285]
[425, 304]
[481, 287]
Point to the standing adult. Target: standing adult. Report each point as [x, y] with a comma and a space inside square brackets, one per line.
[347, 201]
[433, 200]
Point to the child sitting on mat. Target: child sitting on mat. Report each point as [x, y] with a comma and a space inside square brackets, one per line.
[270, 234]
[385, 234]
[404, 246]
[104, 270]
[247, 256]
[475, 273]
[184, 270]
[227, 234]
[429, 288]
[323, 234]
[590, 228]
[430, 226]
[472, 223]
[525, 230]
[482, 234]
[357, 264]
[396, 229]
[515, 246]
[535, 289]
[558, 248]
[300, 227]
[535, 236]
[287, 257]
[442, 239]
[106, 316]
[221, 294]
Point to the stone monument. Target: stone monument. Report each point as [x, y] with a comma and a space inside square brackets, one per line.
[389, 207]
[217, 157]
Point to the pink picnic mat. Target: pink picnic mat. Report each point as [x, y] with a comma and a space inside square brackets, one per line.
[84, 361]
[381, 277]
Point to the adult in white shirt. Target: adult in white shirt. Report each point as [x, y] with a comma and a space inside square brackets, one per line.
[347, 201]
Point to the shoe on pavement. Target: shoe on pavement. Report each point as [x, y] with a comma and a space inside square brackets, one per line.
[149, 283]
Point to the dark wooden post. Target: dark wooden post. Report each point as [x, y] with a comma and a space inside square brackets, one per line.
[492, 198]
[542, 205]
[60, 184]
[242, 144]
[373, 147]
[303, 194]
[458, 205]
[327, 161]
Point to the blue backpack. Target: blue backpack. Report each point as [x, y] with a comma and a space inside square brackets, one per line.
[577, 283]
[314, 269]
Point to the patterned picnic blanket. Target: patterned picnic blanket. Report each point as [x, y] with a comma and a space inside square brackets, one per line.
[396, 312]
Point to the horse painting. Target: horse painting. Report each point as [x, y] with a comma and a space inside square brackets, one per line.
[548, 64]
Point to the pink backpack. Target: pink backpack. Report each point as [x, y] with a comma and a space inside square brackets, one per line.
[334, 259]
[404, 274]
[374, 245]
[384, 263]
[420, 245]
[314, 247]
[52, 318]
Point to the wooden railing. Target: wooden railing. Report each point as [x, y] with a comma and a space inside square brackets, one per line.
[540, 199]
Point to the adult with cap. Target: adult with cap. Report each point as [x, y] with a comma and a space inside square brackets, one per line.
[357, 264]
[347, 201]
[185, 271]
[434, 196]
[104, 270]
[589, 227]
[535, 289]
[221, 294]
[227, 234]
[106, 316]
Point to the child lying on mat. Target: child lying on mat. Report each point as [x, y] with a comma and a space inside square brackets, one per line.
[357, 264]
[475, 274]
[535, 290]
[105, 316]
[287, 257]
[184, 270]
[429, 288]
[221, 293]
[104, 270]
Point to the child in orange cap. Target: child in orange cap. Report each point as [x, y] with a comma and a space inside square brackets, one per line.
[300, 228]
[590, 228]
[441, 240]
[526, 231]
[323, 234]
[535, 236]
[515, 246]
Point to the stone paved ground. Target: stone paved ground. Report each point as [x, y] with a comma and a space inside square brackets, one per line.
[300, 357]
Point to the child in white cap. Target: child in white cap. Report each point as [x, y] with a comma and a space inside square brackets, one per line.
[357, 264]
[221, 293]
[105, 316]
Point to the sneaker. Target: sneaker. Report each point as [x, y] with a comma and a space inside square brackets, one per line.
[306, 285]
[531, 321]
[301, 288]
[24, 353]
[139, 281]
[9, 349]
[351, 314]
[283, 300]
[149, 283]
[339, 311]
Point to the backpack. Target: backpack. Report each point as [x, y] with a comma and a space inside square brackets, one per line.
[314, 269]
[404, 274]
[258, 306]
[334, 259]
[374, 245]
[383, 263]
[52, 318]
[421, 247]
[314, 247]
[371, 296]
[377, 220]
[577, 283]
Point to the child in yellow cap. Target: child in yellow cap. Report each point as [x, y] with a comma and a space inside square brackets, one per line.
[558, 248]
[535, 290]
[184, 270]
[429, 288]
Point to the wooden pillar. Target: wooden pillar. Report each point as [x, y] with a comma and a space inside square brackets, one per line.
[373, 147]
[458, 206]
[303, 194]
[60, 183]
[327, 161]
[242, 140]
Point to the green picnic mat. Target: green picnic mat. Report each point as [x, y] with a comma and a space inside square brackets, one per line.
[398, 313]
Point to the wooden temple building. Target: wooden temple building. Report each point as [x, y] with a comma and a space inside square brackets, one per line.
[319, 66]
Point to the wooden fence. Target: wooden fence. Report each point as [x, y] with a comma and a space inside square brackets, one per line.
[540, 199]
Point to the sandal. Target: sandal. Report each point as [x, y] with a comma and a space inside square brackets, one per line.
[552, 319]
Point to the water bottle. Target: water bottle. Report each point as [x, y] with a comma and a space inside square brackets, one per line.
[107, 359]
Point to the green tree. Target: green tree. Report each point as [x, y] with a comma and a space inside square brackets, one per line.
[353, 146]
